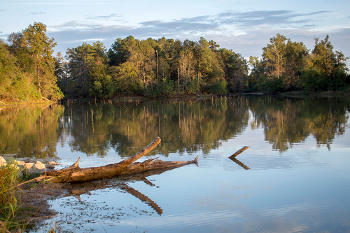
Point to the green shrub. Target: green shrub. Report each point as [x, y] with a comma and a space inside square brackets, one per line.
[8, 202]
[218, 87]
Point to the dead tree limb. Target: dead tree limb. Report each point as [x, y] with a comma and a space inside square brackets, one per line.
[238, 152]
[126, 167]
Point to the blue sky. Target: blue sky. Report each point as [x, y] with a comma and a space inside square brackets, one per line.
[243, 26]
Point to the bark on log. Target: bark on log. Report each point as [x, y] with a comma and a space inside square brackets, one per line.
[126, 167]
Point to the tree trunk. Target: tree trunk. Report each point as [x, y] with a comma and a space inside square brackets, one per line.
[126, 167]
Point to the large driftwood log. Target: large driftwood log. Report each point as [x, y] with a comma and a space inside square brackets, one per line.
[77, 189]
[126, 167]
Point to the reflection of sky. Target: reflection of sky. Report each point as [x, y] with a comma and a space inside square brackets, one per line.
[304, 189]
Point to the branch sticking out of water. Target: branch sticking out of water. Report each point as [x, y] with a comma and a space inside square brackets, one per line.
[238, 152]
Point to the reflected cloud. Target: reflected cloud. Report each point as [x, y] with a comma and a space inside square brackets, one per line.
[38, 13]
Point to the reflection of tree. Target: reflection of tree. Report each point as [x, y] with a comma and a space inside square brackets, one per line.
[29, 131]
[290, 121]
[183, 126]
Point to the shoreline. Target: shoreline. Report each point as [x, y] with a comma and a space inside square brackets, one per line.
[131, 98]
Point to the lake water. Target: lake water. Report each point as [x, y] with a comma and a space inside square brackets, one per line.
[295, 176]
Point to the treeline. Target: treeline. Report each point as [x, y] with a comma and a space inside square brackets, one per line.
[166, 66]
[28, 69]
[288, 66]
[152, 68]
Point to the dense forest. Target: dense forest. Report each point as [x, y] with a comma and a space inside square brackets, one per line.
[161, 67]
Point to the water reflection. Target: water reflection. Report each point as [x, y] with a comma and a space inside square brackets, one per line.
[126, 127]
[202, 125]
[289, 121]
[30, 131]
[184, 126]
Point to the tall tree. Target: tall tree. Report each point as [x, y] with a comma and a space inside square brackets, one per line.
[89, 71]
[296, 53]
[274, 55]
[38, 48]
[236, 70]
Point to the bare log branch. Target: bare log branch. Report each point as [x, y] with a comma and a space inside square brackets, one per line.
[238, 152]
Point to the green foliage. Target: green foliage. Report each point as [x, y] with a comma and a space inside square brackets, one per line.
[313, 80]
[194, 86]
[165, 88]
[288, 65]
[27, 66]
[324, 69]
[274, 55]
[218, 87]
[271, 85]
[126, 79]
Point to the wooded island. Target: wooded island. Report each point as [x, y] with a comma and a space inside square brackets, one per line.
[161, 67]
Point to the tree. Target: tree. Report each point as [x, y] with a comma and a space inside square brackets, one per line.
[33, 50]
[257, 75]
[126, 79]
[211, 67]
[324, 69]
[79, 60]
[274, 55]
[296, 53]
[89, 71]
[34, 42]
[8, 72]
[121, 50]
[236, 70]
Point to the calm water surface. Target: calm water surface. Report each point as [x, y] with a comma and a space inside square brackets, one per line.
[295, 176]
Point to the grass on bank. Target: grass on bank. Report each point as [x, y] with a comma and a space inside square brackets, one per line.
[13, 216]
[8, 199]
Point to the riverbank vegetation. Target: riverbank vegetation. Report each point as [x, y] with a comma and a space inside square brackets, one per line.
[23, 204]
[27, 66]
[162, 67]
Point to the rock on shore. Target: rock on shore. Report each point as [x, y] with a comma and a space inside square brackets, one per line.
[32, 167]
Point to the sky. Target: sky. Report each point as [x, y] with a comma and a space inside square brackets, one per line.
[243, 26]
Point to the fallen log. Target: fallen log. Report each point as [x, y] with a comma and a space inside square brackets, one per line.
[77, 189]
[74, 173]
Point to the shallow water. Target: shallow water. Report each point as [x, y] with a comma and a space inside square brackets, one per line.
[298, 178]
